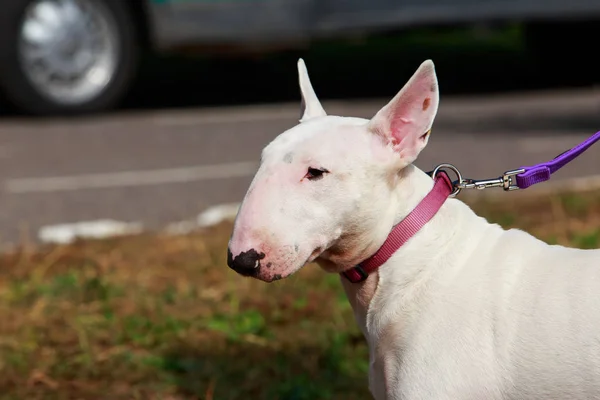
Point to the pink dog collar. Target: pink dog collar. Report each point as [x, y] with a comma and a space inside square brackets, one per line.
[405, 229]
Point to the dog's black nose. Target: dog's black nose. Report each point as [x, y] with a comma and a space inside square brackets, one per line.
[246, 263]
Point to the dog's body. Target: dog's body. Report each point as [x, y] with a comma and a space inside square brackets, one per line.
[465, 309]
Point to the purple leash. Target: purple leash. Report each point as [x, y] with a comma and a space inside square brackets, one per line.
[524, 176]
[541, 172]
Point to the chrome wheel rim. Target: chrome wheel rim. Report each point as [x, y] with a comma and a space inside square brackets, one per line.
[68, 49]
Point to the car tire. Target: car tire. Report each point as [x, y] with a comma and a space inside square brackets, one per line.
[109, 22]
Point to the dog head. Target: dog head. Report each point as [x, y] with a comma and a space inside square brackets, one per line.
[325, 189]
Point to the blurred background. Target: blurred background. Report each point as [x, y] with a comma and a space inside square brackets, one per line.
[154, 110]
[72, 56]
[124, 116]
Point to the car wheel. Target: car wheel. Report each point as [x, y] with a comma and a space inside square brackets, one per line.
[66, 56]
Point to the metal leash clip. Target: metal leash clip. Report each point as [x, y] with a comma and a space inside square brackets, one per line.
[505, 181]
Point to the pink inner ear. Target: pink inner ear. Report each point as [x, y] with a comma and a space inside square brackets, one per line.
[405, 120]
[410, 114]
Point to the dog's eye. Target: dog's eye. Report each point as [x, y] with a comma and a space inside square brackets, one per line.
[314, 174]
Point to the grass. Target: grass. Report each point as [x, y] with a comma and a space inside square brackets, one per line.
[151, 317]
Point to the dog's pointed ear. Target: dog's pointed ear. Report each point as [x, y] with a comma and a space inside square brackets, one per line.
[310, 107]
[405, 122]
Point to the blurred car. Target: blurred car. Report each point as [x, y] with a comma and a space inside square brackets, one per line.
[76, 56]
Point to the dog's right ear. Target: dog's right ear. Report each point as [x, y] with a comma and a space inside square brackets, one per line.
[310, 106]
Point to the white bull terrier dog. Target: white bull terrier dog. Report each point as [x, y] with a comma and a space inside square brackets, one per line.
[455, 307]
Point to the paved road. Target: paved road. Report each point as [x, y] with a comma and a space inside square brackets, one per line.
[162, 166]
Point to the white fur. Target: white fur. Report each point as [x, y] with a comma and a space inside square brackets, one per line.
[465, 309]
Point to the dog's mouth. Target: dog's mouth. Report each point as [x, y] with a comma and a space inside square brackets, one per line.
[270, 269]
[271, 274]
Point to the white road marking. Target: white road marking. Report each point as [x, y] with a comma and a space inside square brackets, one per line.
[106, 228]
[98, 229]
[217, 214]
[209, 217]
[131, 178]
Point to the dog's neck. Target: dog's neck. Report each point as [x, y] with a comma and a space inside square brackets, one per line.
[415, 262]
[413, 185]
[358, 243]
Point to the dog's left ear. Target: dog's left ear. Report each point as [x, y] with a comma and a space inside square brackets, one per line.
[311, 106]
[405, 122]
